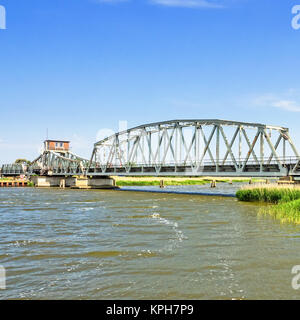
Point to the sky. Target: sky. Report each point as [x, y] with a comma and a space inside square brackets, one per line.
[75, 68]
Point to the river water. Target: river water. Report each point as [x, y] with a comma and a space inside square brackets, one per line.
[73, 244]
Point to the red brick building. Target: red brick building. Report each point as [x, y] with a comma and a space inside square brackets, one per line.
[57, 145]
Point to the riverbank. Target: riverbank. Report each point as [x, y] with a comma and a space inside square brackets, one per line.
[174, 181]
[6, 179]
[284, 200]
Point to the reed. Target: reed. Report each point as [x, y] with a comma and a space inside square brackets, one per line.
[285, 212]
[285, 200]
[269, 193]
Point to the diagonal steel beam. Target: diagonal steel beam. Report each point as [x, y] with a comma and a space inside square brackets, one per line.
[206, 146]
[189, 149]
[276, 147]
[169, 144]
[229, 146]
[272, 148]
[251, 147]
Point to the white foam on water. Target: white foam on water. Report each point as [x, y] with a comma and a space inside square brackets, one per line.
[86, 209]
[173, 243]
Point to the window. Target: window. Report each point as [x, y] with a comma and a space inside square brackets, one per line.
[59, 144]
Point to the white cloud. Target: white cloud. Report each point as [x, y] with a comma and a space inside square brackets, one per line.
[287, 105]
[174, 3]
[289, 101]
[189, 3]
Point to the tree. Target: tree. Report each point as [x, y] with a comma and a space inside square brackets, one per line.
[22, 161]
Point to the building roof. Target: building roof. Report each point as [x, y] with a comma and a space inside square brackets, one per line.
[50, 140]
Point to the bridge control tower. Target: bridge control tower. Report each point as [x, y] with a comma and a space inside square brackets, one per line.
[58, 146]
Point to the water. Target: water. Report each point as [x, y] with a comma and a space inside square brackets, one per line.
[72, 244]
[224, 189]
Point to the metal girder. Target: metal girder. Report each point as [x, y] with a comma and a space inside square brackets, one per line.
[52, 163]
[180, 147]
[168, 147]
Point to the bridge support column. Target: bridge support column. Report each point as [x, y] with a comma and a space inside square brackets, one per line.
[286, 180]
[75, 183]
[94, 183]
[62, 183]
[47, 182]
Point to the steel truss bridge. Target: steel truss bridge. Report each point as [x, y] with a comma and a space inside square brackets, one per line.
[179, 148]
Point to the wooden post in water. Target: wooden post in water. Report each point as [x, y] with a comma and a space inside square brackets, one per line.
[250, 181]
[62, 184]
[213, 184]
[161, 184]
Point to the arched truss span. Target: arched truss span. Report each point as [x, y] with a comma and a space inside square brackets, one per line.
[197, 147]
[179, 148]
[53, 163]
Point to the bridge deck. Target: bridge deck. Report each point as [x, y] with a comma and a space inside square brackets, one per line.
[272, 170]
[178, 148]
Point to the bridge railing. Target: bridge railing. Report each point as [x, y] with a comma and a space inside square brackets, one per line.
[239, 163]
[13, 169]
[75, 169]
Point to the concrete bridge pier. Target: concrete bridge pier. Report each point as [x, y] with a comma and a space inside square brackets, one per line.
[72, 182]
[50, 181]
[94, 183]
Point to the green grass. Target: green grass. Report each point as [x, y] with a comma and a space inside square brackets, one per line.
[285, 212]
[271, 194]
[157, 183]
[5, 179]
[285, 200]
[187, 182]
[30, 184]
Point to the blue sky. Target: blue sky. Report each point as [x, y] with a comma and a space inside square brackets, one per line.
[78, 66]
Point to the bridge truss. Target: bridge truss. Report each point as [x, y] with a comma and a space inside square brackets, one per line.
[54, 163]
[179, 148]
[197, 148]
[50, 163]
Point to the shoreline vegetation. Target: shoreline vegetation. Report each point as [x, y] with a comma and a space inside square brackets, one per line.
[174, 181]
[284, 201]
[124, 181]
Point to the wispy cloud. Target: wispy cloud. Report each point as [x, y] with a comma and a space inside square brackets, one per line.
[189, 3]
[289, 101]
[174, 3]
